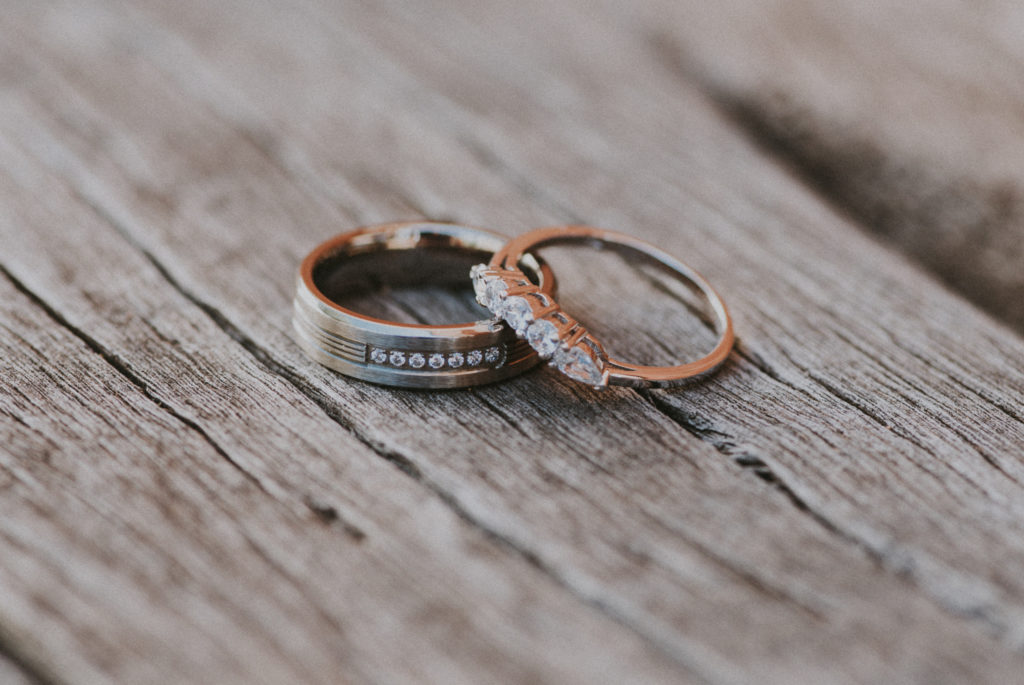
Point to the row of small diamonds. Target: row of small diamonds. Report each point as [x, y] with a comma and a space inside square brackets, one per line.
[436, 360]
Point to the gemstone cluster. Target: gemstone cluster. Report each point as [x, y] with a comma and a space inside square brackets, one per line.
[493, 356]
[537, 319]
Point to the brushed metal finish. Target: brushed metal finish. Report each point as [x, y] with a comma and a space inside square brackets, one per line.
[344, 340]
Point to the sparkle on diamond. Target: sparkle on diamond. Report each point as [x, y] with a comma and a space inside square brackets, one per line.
[492, 355]
[518, 314]
[576, 363]
[493, 298]
[474, 358]
[417, 360]
[477, 273]
[397, 358]
[436, 361]
[456, 359]
[378, 356]
[543, 337]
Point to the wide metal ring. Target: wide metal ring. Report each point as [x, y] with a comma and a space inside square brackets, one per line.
[535, 315]
[403, 354]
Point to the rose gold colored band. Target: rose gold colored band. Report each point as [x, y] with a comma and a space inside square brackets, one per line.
[557, 335]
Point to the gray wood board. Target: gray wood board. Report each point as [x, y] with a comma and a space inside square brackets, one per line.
[908, 117]
[841, 503]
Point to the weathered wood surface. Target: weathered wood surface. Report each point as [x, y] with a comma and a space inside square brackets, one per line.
[187, 499]
[909, 117]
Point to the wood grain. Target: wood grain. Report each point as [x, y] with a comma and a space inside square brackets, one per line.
[907, 118]
[841, 504]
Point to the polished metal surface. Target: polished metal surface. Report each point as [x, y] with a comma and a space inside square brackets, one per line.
[404, 354]
[574, 351]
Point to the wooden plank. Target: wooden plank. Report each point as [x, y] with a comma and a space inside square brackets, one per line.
[847, 367]
[507, 138]
[208, 522]
[907, 118]
[597, 512]
[14, 674]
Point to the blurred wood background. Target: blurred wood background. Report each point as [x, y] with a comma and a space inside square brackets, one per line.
[185, 498]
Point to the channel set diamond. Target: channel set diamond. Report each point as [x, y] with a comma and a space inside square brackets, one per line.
[491, 356]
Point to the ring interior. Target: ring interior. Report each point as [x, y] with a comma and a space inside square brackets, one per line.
[698, 305]
[367, 277]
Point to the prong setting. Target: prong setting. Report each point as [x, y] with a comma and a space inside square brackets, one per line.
[539, 320]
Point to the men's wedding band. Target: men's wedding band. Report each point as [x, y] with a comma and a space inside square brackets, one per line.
[403, 354]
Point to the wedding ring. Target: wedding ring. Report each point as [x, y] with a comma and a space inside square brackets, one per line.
[535, 316]
[404, 354]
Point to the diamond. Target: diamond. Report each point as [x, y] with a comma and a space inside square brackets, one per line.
[578, 364]
[456, 359]
[492, 355]
[543, 337]
[494, 296]
[479, 275]
[436, 361]
[397, 358]
[378, 356]
[417, 360]
[474, 358]
[518, 314]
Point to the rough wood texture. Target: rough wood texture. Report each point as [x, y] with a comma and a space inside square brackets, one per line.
[908, 117]
[186, 498]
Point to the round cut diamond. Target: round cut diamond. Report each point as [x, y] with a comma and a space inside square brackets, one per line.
[543, 337]
[474, 358]
[397, 358]
[417, 360]
[494, 296]
[518, 314]
[578, 363]
[456, 359]
[378, 356]
[436, 361]
[492, 355]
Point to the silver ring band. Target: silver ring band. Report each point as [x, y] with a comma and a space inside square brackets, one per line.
[400, 354]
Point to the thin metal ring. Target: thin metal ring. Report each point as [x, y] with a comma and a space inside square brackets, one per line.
[401, 354]
[536, 317]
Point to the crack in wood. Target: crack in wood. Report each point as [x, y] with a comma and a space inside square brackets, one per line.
[847, 176]
[896, 559]
[123, 369]
[400, 461]
[756, 464]
[989, 458]
[896, 562]
[30, 668]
